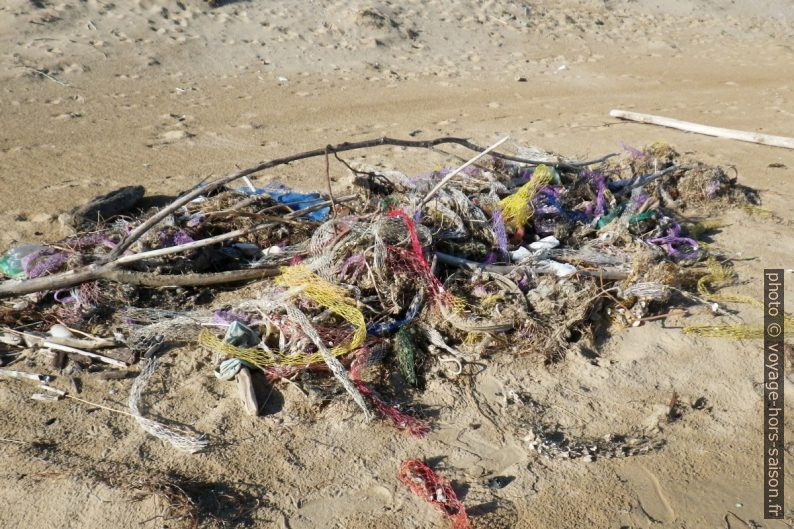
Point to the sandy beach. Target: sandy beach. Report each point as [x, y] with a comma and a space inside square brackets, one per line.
[97, 95]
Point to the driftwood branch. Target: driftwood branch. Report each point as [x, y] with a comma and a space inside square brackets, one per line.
[138, 232]
[110, 272]
[687, 126]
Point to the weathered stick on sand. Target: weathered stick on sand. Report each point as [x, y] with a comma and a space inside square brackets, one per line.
[752, 137]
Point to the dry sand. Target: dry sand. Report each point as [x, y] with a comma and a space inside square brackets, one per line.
[166, 93]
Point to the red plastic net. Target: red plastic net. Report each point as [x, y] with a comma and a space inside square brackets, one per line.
[434, 489]
[416, 427]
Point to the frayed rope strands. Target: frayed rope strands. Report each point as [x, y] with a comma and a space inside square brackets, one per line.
[179, 440]
[434, 489]
[517, 208]
[720, 276]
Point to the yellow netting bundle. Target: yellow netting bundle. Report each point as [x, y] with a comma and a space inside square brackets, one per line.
[317, 290]
[719, 276]
[737, 331]
[517, 208]
[697, 229]
[757, 210]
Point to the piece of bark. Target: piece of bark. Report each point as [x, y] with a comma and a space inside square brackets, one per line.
[245, 386]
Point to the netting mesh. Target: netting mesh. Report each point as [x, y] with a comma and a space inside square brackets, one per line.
[434, 489]
[719, 276]
[180, 440]
[405, 351]
[301, 280]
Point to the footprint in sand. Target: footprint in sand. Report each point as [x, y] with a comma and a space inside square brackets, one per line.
[173, 128]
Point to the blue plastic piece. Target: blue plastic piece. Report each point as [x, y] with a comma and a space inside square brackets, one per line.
[293, 199]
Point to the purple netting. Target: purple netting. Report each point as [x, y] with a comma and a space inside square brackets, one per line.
[226, 317]
[357, 261]
[91, 240]
[74, 300]
[638, 201]
[599, 181]
[713, 188]
[174, 239]
[498, 226]
[43, 261]
[64, 296]
[673, 239]
[632, 150]
[46, 264]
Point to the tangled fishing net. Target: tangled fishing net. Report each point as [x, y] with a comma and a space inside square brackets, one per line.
[389, 288]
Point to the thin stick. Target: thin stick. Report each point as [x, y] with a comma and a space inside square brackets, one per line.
[96, 405]
[91, 343]
[110, 272]
[733, 134]
[190, 245]
[188, 280]
[48, 76]
[22, 374]
[328, 181]
[67, 349]
[451, 175]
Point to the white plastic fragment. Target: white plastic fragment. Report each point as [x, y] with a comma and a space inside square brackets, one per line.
[22, 374]
[559, 269]
[10, 339]
[273, 250]
[44, 397]
[546, 243]
[520, 254]
[60, 331]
